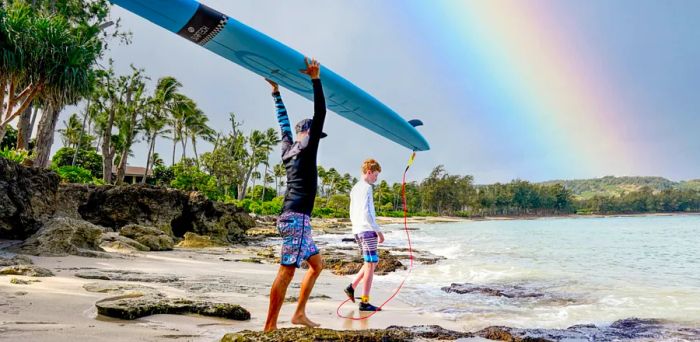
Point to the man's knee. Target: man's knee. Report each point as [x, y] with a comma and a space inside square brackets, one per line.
[286, 273]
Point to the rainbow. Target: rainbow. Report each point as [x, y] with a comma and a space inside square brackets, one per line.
[529, 72]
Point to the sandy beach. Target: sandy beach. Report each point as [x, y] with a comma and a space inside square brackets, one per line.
[59, 308]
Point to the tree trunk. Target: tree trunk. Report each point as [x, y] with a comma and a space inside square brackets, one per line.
[264, 176]
[82, 131]
[44, 137]
[3, 129]
[174, 145]
[24, 131]
[196, 156]
[151, 146]
[107, 151]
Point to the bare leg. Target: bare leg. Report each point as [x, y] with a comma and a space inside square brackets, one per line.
[277, 294]
[359, 276]
[315, 267]
[369, 275]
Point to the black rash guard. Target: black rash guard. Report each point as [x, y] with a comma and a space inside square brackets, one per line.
[302, 172]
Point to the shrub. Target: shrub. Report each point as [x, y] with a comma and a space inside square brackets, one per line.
[74, 174]
[17, 156]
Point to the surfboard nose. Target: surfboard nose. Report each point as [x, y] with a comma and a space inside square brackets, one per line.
[170, 14]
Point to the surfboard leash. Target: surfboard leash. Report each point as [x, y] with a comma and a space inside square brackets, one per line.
[410, 248]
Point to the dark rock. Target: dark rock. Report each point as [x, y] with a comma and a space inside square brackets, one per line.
[172, 211]
[392, 333]
[121, 275]
[15, 260]
[348, 240]
[26, 270]
[133, 306]
[294, 299]
[342, 263]
[508, 292]
[151, 237]
[64, 236]
[27, 198]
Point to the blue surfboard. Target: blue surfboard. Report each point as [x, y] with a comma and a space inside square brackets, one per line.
[269, 58]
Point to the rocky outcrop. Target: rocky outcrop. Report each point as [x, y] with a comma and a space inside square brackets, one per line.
[151, 237]
[27, 198]
[64, 236]
[30, 197]
[342, 263]
[15, 260]
[136, 305]
[172, 211]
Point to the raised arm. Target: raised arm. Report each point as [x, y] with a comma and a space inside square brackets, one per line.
[313, 69]
[282, 118]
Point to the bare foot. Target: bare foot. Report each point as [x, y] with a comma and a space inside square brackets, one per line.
[303, 320]
[269, 329]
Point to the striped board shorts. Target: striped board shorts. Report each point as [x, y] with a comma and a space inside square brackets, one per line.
[368, 245]
[297, 243]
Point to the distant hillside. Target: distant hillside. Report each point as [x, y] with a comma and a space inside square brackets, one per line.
[614, 186]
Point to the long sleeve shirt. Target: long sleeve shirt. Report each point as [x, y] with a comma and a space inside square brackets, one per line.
[302, 172]
[362, 214]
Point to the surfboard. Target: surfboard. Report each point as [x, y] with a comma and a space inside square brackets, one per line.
[269, 58]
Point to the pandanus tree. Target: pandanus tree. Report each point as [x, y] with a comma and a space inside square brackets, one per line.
[43, 55]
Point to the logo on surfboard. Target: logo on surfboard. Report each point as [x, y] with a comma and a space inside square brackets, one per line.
[204, 25]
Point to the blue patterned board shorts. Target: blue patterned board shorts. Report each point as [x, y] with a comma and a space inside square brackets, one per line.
[297, 243]
[368, 245]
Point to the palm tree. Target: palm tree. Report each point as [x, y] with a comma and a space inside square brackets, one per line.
[279, 172]
[260, 144]
[155, 120]
[181, 111]
[135, 103]
[197, 128]
[70, 135]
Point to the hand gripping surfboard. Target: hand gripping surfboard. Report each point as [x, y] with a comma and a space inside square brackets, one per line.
[269, 58]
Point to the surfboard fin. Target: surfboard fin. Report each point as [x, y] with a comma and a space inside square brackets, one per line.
[415, 122]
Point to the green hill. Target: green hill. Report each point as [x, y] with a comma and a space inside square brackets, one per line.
[614, 186]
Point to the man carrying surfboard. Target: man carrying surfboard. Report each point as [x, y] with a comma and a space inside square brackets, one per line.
[294, 224]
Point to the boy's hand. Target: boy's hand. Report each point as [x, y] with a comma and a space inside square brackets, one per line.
[380, 235]
[313, 69]
[275, 87]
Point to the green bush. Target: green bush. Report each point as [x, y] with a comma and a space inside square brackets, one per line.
[14, 155]
[9, 141]
[74, 174]
[162, 175]
[87, 158]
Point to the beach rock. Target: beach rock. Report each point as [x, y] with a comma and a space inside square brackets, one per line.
[193, 240]
[115, 288]
[392, 333]
[64, 236]
[27, 198]
[122, 275]
[500, 291]
[630, 329]
[151, 237]
[115, 241]
[294, 299]
[136, 305]
[15, 260]
[26, 270]
[172, 211]
[17, 281]
[344, 264]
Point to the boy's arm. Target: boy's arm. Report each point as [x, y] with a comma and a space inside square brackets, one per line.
[371, 213]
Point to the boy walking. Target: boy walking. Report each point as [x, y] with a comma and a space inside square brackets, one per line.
[367, 232]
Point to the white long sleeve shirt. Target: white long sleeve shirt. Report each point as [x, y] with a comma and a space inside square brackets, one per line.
[362, 214]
